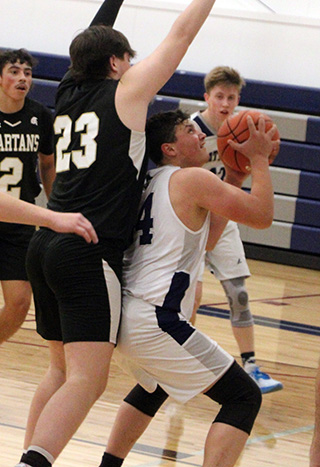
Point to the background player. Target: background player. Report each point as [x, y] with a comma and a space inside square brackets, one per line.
[26, 139]
[14, 210]
[227, 260]
[101, 110]
[157, 344]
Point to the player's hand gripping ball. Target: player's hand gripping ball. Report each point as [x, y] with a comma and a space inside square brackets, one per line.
[236, 128]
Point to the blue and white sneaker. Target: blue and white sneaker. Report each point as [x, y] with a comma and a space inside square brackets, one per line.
[263, 380]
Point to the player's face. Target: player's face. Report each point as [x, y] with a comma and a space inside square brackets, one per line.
[221, 100]
[16, 80]
[190, 145]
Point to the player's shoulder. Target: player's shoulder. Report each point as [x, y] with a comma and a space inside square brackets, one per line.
[190, 175]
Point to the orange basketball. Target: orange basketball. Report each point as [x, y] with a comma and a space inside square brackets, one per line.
[236, 128]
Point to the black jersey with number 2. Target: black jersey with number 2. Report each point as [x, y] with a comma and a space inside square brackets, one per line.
[23, 135]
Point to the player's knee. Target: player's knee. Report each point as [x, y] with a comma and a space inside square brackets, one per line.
[15, 311]
[242, 319]
[236, 292]
[146, 402]
[240, 398]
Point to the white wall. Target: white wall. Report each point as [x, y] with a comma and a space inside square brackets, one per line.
[259, 38]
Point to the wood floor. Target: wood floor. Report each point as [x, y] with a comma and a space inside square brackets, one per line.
[286, 304]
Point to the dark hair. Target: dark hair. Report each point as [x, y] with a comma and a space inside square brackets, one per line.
[91, 50]
[13, 56]
[161, 128]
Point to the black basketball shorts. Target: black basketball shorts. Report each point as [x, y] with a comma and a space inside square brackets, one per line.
[76, 287]
[13, 260]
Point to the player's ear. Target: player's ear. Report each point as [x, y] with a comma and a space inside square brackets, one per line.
[206, 96]
[168, 149]
[113, 63]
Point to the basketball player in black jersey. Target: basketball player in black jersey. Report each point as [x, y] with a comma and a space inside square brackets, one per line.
[26, 139]
[101, 111]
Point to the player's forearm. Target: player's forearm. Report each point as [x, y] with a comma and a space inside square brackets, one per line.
[262, 191]
[191, 19]
[107, 13]
[217, 226]
[47, 178]
[21, 212]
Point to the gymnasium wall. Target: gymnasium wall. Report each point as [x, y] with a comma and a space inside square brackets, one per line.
[277, 43]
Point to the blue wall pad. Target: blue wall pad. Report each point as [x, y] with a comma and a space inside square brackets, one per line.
[50, 66]
[307, 212]
[162, 104]
[309, 185]
[313, 129]
[298, 156]
[305, 239]
[280, 96]
[44, 91]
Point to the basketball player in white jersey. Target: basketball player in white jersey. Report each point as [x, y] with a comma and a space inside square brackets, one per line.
[227, 260]
[180, 215]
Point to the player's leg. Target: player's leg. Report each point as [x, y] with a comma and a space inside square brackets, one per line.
[133, 417]
[88, 293]
[228, 263]
[240, 401]
[219, 450]
[240, 315]
[185, 363]
[52, 381]
[17, 298]
[15, 286]
[87, 372]
[197, 302]
[198, 293]
[242, 326]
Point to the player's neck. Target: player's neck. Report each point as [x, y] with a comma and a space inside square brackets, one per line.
[9, 105]
[210, 120]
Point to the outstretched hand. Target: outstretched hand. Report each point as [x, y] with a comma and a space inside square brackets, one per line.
[259, 143]
[74, 223]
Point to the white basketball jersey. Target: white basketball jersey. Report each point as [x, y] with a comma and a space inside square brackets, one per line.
[214, 165]
[161, 265]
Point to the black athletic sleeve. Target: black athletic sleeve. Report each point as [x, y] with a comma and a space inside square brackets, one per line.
[107, 13]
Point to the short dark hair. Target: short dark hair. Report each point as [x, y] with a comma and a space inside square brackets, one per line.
[18, 55]
[91, 50]
[161, 128]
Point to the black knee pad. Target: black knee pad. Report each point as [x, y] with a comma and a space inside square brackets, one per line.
[239, 396]
[147, 402]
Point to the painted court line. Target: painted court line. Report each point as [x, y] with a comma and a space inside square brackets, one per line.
[264, 321]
